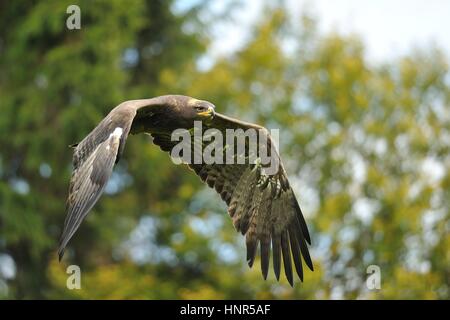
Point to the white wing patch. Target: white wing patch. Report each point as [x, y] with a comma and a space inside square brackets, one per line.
[115, 136]
[117, 133]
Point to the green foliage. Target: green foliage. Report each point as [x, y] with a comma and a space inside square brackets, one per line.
[366, 147]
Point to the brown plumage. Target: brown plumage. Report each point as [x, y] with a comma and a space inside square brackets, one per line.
[262, 206]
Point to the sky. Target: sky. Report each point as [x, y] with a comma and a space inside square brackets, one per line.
[389, 28]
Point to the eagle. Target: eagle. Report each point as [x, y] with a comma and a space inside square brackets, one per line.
[262, 206]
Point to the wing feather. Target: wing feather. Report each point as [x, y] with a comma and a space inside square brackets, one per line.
[262, 207]
[88, 181]
[285, 249]
[265, 256]
[296, 251]
[276, 246]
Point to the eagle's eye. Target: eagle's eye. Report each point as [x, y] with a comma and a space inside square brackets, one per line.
[200, 108]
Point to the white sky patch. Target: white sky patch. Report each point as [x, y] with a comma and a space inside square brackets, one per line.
[380, 146]
[415, 189]
[356, 165]
[20, 186]
[364, 209]
[237, 30]
[207, 226]
[7, 267]
[120, 179]
[306, 194]
[348, 234]
[359, 167]
[45, 170]
[415, 260]
[226, 252]
[141, 246]
[433, 170]
[429, 221]
[389, 29]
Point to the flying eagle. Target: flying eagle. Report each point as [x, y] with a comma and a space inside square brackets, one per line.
[263, 207]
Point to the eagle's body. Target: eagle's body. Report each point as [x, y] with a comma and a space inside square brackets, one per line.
[263, 207]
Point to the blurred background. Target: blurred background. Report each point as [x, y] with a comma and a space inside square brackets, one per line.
[360, 90]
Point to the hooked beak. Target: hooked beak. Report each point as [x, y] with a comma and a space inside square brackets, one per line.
[207, 113]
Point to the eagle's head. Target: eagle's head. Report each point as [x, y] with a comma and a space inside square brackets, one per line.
[170, 112]
[186, 110]
[199, 109]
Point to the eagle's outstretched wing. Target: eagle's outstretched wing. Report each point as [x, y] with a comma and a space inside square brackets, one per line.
[263, 207]
[93, 162]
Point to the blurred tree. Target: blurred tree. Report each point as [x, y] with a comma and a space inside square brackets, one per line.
[55, 85]
[372, 148]
[367, 147]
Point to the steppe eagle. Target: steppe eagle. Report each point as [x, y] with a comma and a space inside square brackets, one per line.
[263, 207]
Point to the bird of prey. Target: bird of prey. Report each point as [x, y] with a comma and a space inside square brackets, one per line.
[263, 206]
